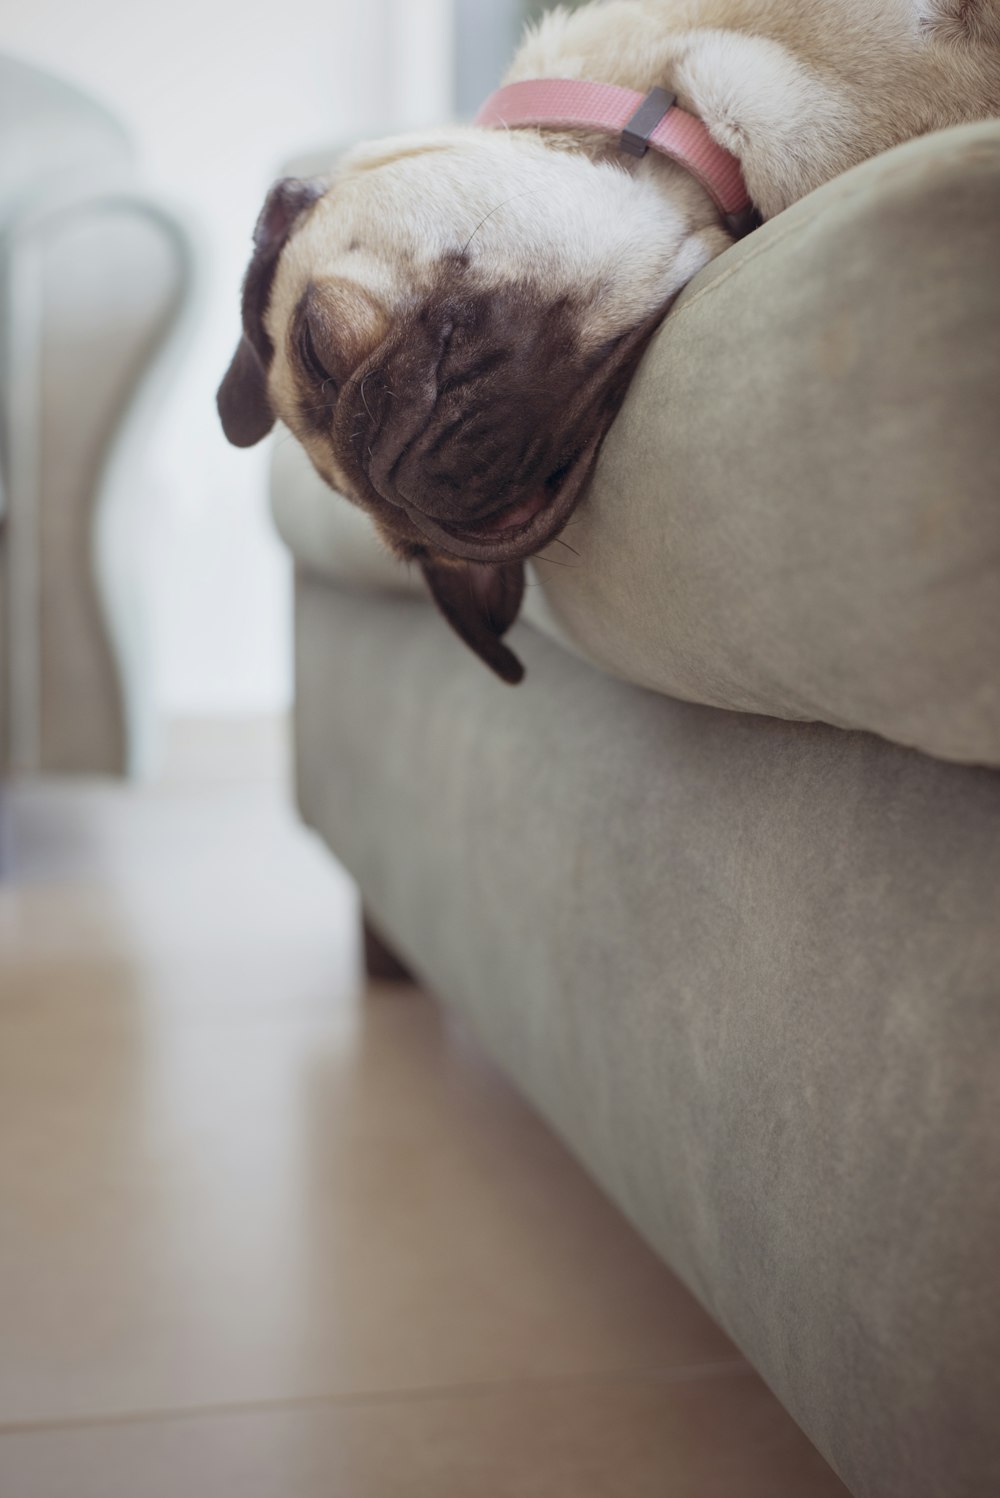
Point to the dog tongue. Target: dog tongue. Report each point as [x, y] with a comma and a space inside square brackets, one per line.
[509, 520]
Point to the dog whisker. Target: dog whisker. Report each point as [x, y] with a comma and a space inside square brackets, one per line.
[364, 397]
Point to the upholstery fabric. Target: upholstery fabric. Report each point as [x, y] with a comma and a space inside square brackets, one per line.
[747, 968]
[798, 511]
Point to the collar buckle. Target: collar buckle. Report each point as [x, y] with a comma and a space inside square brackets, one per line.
[648, 117]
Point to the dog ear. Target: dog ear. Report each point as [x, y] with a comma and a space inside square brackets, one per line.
[480, 600]
[244, 408]
[242, 400]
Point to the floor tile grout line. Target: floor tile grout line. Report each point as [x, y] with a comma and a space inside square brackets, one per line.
[682, 1374]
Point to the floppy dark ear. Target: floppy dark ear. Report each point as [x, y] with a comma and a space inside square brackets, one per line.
[480, 601]
[244, 408]
[242, 399]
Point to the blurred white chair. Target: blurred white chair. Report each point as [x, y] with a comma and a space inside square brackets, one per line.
[96, 290]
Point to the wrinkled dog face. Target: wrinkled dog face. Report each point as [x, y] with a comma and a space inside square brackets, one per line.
[449, 328]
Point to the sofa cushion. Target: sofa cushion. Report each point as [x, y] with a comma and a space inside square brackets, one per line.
[749, 969]
[798, 511]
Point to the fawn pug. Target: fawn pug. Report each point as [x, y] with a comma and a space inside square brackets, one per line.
[449, 324]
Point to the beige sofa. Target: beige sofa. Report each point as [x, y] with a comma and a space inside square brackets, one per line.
[720, 884]
[96, 294]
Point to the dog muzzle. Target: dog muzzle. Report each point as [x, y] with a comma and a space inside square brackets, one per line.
[641, 123]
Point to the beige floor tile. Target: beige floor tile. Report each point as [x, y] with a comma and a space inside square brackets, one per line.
[161, 876]
[224, 1177]
[213, 1208]
[266, 1235]
[629, 1438]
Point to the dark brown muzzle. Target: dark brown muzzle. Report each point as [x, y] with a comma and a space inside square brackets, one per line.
[463, 418]
[478, 423]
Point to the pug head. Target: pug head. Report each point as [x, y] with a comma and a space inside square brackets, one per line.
[449, 326]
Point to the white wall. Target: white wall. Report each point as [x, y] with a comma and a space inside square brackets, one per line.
[218, 94]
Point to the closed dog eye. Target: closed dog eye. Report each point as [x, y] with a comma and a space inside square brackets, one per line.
[310, 359]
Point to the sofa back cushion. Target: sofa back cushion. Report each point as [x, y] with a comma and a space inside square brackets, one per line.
[798, 511]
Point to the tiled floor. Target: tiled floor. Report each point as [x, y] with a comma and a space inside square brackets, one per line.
[264, 1234]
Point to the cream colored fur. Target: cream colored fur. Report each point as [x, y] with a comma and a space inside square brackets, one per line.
[799, 90]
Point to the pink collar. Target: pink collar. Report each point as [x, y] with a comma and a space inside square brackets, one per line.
[641, 120]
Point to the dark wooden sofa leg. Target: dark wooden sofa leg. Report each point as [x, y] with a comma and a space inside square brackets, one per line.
[381, 963]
